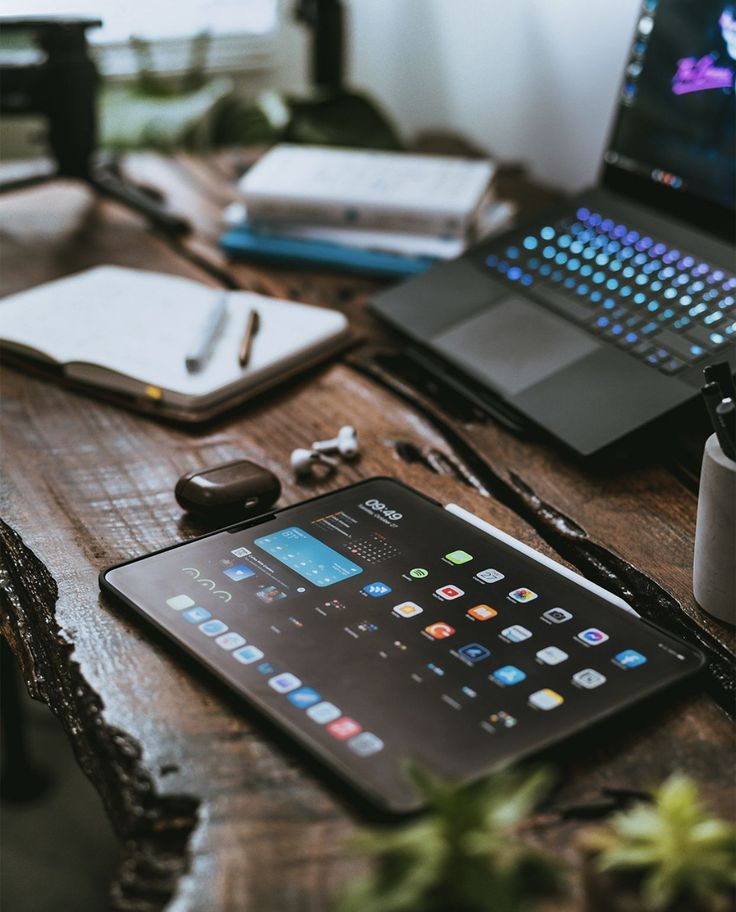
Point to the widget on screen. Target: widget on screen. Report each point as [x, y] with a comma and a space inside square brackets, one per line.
[307, 556]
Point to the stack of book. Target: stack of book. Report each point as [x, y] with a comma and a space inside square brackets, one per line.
[381, 213]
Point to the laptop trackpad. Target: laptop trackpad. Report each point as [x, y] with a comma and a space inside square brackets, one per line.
[514, 344]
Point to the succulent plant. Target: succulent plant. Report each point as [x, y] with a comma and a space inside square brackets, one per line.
[682, 856]
[463, 854]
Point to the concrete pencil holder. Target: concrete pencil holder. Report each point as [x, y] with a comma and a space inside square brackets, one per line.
[714, 564]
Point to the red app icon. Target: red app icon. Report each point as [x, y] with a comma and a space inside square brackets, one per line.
[440, 630]
[343, 728]
[449, 592]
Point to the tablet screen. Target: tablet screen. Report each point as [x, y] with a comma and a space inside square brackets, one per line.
[377, 628]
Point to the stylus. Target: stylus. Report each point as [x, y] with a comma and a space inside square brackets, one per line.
[489, 529]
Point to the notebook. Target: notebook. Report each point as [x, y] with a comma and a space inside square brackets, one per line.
[126, 332]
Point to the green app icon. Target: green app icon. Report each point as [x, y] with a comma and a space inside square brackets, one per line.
[419, 573]
[458, 557]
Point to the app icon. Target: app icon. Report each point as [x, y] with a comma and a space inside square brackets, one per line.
[502, 719]
[523, 595]
[343, 728]
[551, 655]
[230, 640]
[240, 552]
[196, 615]
[249, 654]
[489, 576]
[592, 636]
[589, 678]
[439, 630]
[407, 609]
[557, 615]
[180, 602]
[365, 744]
[239, 572]
[474, 652]
[322, 713]
[629, 658]
[265, 668]
[516, 633]
[418, 573]
[304, 697]
[458, 557]
[213, 628]
[376, 590]
[546, 699]
[509, 675]
[482, 613]
[284, 683]
[449, 592]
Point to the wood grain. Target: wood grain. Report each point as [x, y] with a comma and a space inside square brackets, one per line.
[209, 805]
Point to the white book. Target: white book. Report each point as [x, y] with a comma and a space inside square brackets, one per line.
[390, 191]
[128, 331]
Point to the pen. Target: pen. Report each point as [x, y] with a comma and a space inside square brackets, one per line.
[252, 324]
[207, 334]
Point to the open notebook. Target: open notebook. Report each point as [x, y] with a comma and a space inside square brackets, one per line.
[127, 332]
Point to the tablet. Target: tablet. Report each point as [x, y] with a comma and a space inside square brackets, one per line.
[378, 627]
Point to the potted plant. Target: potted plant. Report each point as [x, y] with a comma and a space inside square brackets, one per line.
[463, 854]
[667, 855]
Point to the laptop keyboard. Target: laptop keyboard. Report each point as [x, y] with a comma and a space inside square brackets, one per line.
[666, 308]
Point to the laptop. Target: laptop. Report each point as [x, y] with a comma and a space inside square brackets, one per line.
[597, 318]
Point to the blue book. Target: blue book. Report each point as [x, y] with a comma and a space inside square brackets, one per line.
[243, 243]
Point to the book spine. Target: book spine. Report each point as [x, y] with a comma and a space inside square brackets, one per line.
[268, 209]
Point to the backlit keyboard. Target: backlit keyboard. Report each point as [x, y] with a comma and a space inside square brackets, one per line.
[665, 307]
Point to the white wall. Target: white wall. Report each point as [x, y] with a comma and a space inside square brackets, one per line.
[526, 79]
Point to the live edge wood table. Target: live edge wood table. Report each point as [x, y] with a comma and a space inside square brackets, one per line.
[211, 813]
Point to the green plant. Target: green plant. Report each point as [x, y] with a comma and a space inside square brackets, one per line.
[681, 853]
[463, 854]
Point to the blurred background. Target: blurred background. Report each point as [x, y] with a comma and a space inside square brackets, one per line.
[474, 69]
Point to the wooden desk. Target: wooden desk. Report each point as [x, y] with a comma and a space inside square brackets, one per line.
[208, 808]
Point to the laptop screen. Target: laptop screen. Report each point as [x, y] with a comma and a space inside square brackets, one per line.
[676, 123]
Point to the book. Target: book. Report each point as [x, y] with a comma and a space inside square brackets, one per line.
[127, 332]
[390, 254]
[390, 191]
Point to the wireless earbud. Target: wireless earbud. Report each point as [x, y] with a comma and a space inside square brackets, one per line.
[303, 462]
[346, 443]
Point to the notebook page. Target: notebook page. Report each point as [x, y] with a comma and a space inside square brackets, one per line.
[142, 324]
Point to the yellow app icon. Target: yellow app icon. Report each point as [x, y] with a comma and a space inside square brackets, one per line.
[407, 609]
[546, 699]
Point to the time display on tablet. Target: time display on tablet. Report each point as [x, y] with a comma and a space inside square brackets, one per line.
[379, 628]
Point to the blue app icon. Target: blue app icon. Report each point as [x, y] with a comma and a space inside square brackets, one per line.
[239, 572]
[474, 652]
[376, 590]
[266, 668]
[630, 658]
[196, 615]
[213, 628]
[304, 697]
[509, 675]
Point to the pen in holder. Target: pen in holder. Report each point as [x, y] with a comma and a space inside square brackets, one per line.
[714, 565]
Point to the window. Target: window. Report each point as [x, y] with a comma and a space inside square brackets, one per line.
[243, 31]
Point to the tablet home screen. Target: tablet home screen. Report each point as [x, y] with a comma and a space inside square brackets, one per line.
[378, 628]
